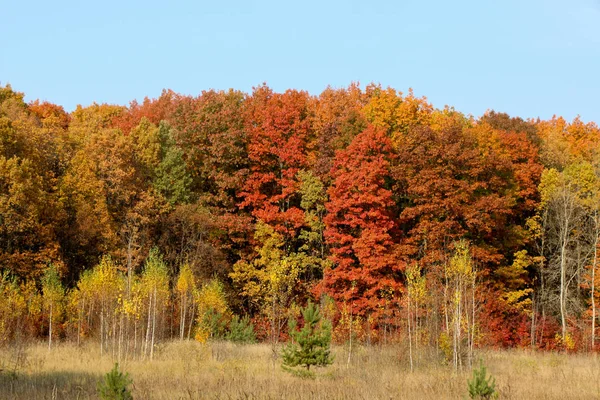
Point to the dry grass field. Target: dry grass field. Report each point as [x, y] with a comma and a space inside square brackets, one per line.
[189, 370]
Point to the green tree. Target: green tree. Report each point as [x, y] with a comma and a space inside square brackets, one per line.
[241, 330]
[171, 177]
[115, 385]
[482, 386]
[310, 345]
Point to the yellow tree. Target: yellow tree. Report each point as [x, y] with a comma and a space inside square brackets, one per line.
[132, 309]
[155, 285]
[416, 297]
[80, 298]
[388, 109]
[513, 281]
[268, 281]
[213, 311]
[459, 300]
[186, 285]
[53, 293]
[97, 300]
[12, 308]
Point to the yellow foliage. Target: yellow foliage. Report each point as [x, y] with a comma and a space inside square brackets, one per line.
[396, 114]
[213, 311]
[12, 307]
[155, 277]
[132, 307]
[348, 324]
[185, 281]
[445, 343]
[416, 284]
[461, 265]
[516, 294]
[272, 274]
[568, 343]
[202, 334]
[212, 297]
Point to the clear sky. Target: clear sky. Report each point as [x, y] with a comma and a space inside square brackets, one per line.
[529, 58]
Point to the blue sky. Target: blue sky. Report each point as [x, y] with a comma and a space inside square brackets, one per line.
[528, 58]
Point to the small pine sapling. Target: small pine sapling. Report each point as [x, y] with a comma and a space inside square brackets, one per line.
[115, 385]
[482, 387]
[310, 346]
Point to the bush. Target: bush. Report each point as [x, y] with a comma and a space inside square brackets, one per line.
[115, 385]
[241, 330]
[482, 387]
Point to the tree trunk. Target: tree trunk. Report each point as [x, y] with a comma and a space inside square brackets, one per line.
[102, 331]
[145, 347]
[563, 279]
[593, 288]
[50, 327]
[410, 355]
[153, 325]
[183, 315]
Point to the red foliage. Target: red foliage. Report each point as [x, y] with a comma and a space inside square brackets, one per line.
[155, 110]
[50, 114]
[278, 129]
[460, 183]
[502, 326]
[360, 226]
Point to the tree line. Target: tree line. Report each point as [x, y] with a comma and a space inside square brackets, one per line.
[188, 216]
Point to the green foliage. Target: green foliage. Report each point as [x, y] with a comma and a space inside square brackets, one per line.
[163, 161]
[115, 385]
[215, 323]
[155, 274]
[241, 330]
[172, 179]
[482, 387]
[310, 345]
[51, 286]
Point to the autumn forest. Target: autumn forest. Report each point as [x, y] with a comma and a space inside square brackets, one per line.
[219, 216]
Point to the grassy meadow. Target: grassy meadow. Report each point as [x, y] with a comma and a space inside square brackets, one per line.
[222, 370]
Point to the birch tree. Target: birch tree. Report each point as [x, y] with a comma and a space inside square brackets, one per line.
[562, 204]
[53, 294]
[460, 278]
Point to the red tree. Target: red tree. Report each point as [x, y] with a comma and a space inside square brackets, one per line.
[278, 128]
[360, 226]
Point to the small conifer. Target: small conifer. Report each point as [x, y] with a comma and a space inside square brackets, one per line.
[310, 345]
[481, 386]
[115, 385]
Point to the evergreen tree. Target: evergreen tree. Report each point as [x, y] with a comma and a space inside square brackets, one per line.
[115, 385]
[482, 386]
[241, 330]
[310, 345]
